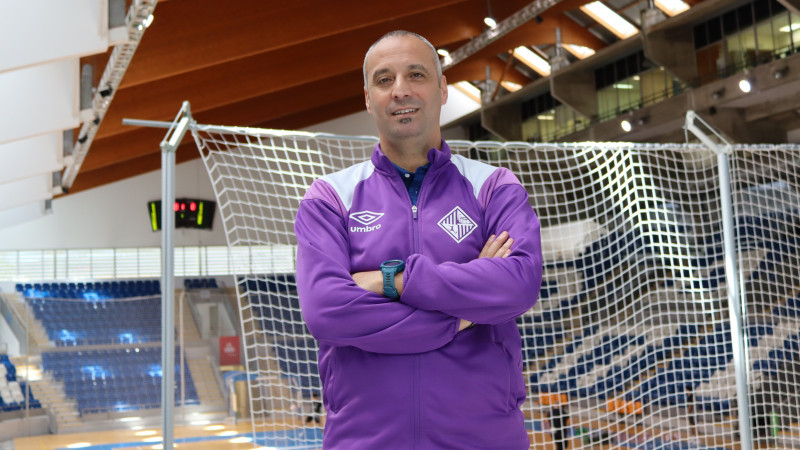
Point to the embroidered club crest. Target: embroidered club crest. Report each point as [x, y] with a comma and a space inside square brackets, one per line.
[457, 224]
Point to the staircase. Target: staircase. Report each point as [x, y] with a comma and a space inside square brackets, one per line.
[206, 384]
[49, 392]
[37, 335]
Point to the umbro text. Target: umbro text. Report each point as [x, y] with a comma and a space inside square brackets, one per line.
[364, 229]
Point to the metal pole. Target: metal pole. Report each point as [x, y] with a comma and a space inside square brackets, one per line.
[723, 149]
[734, 302]
[167, 295]
[169, 145]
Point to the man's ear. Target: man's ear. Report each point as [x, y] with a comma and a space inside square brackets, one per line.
[444, 90]
[366, 100]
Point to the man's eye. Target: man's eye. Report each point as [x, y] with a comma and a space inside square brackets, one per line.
[384, 80]
[417, 75]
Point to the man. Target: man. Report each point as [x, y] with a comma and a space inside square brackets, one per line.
[410, 280]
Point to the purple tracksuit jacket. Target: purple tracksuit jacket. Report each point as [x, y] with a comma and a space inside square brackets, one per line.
[396, 373]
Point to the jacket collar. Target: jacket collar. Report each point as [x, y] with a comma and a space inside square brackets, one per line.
[437, 158]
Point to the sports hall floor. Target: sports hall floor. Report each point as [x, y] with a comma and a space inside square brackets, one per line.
[200, 437]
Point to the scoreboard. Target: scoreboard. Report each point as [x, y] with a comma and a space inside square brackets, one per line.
[189, 213]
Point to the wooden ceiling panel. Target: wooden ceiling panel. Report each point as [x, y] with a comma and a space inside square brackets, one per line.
[187, 36]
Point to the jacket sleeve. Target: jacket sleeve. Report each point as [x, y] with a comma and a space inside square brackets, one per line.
[484, 290]
[339, 312]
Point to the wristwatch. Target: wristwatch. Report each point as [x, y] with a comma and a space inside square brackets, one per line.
[389, 269]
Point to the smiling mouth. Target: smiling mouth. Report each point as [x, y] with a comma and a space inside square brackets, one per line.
[404, 111]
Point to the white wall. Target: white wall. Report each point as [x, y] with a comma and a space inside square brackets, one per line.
[114, 215]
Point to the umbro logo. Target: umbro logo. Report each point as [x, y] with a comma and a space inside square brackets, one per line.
[457, 224]
[366, 218]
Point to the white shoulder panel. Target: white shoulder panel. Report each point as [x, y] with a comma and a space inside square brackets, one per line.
[344, 182]
[475, 171]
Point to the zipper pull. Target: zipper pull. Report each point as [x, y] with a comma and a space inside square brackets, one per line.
[414, 211]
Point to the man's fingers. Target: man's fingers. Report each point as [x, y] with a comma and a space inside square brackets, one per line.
[496, 246]
[505, 250]
[485, 249]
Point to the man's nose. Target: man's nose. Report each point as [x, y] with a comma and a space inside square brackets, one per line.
[401, 88]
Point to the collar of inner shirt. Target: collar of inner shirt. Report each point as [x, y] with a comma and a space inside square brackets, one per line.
[413, 180]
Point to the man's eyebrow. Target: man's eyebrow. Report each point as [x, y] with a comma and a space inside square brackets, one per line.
[378, 73]
[419, 67]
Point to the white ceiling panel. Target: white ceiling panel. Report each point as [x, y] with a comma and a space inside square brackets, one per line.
[26, 190]
[32, 156]
[52, 30]
[40, 99]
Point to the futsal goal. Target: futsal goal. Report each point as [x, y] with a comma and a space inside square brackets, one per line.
[632, 336]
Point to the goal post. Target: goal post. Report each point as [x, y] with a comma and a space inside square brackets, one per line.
[631, 336]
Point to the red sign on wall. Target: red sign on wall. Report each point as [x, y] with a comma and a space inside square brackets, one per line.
[229, 352]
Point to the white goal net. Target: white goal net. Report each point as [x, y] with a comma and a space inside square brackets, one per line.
[630, 343]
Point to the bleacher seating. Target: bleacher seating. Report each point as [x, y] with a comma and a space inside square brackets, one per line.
[84, 322]
[200, 283]
[12, 391]
[119, 379]
[97, 290]
[101, 312]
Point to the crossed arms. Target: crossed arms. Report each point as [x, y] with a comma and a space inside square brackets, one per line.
[495, 247]
[437, 300]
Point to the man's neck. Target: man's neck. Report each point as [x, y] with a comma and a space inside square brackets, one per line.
[409, 155]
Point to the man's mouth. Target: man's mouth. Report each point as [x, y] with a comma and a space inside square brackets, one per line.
[400, 112]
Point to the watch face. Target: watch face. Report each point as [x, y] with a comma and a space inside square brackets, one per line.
[393, 263]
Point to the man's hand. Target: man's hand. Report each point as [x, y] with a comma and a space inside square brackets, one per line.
[497, 247]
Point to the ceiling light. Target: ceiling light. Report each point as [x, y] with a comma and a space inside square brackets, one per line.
[545, 117]
[447, 59]
[789, 28]
[147, 22]
[490, 22]
[532, 60]
[609, 19]
[511, 86]
[626, 126]
[469, 90]
[672, 7]
[745, 85]
[579, 51]
[625, 86]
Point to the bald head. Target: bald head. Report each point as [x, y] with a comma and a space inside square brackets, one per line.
[403, 33]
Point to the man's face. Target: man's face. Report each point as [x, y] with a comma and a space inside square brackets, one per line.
[403, 93]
